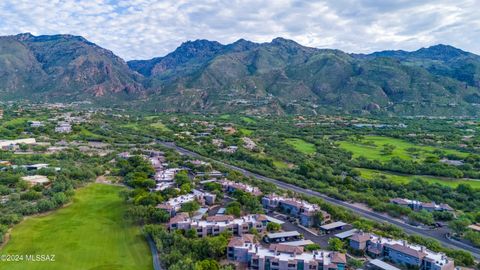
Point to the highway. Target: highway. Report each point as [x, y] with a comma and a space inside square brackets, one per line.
[439, 235]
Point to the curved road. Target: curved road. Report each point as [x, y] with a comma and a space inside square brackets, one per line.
[435, 234]
[155, 257]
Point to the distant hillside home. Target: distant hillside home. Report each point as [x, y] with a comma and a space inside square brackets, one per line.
[6, 144]
[36, 180]
[36, 124]
[451, 162]
[63, 127]
[475, 227]
[418, 206]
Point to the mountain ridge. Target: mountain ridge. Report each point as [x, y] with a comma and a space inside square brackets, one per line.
[277, 77]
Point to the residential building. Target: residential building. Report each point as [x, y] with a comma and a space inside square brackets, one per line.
[301, 209]
[452, 162]
[213, 174]
[7, 144]
[230, 186]
[218, 142]
[174, 204]
[244, 251]
[124, 155]
[400, 252]
[63, 127]
[229, 130]
[418, 205]
[36, 124]
[475, 227]
[230, 149]
[249, 143]
[5, 163]
[34, 167]
[36, 180]
[214, 225]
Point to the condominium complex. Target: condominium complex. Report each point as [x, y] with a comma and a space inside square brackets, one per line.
[244, 251]
[174, 204]
[214, 225]
[231, 186]
[400, 252]
[305, 211]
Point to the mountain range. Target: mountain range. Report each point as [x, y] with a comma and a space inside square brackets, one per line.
[277, 77]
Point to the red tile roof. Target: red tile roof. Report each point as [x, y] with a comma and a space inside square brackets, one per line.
[286, 248]
[360, 237]
[407, 250]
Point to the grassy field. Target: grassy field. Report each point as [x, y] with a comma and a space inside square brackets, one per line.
[248, 120]
[399, 178]
[91, 233]
[19, 121]
[132, 126]
[280, 164]
[246, 132]
[371, 147]
[160, 126]
[301, 146]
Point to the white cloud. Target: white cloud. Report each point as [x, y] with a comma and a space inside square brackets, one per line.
[139, 29]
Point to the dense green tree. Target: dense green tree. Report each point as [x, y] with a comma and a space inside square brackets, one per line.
[234, 208]
[273, 227]
[190, 207]
[336, 244]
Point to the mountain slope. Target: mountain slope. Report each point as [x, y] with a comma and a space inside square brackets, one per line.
[443, 60]
[285, 77]
[62, 67]
[276, 77]
[19, 69]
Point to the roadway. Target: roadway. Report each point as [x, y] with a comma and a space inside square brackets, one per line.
[153, 249]
[439, 235]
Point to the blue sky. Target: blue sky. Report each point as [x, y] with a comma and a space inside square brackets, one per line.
[142, 29]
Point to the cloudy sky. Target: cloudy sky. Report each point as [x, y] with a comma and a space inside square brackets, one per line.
[141, 29]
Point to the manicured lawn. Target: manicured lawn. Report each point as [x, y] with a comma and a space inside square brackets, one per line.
[159, 126]
[301, 146]
[133, 126]
[248, 120]
[398, 178]
[15, 122]
[246, 132]
[91, 233]
[84, 133]
[280, 164]
[374, 151]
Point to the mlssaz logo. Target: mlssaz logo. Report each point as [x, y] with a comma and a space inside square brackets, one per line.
[40, 258]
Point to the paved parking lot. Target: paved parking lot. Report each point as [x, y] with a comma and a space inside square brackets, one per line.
[322, 240]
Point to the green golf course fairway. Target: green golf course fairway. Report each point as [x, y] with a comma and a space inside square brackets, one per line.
[91, 233]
